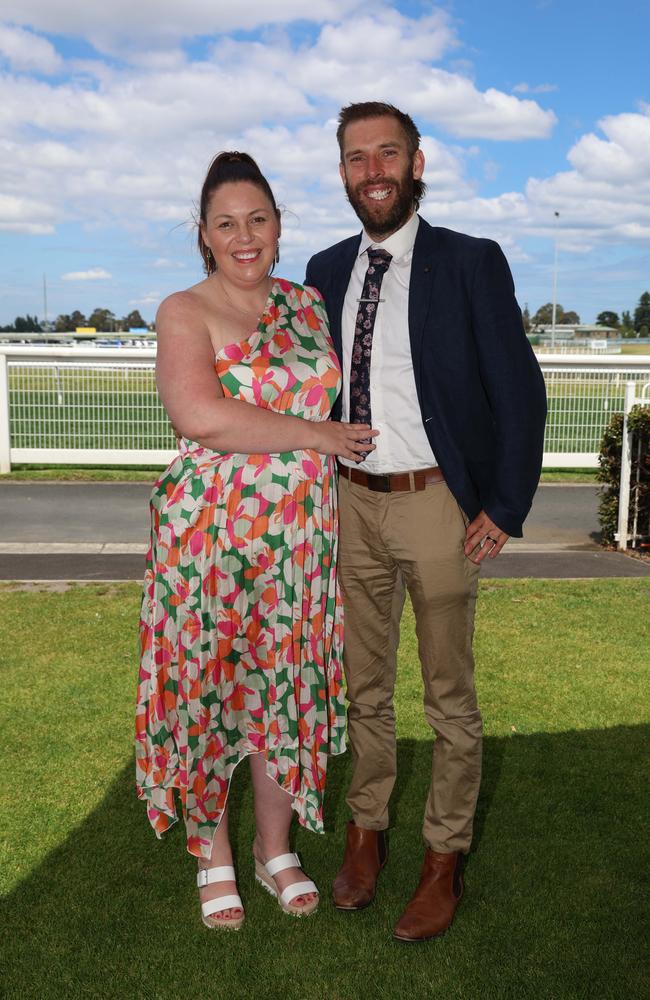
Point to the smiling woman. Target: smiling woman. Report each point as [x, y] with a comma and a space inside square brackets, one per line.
[241, 620]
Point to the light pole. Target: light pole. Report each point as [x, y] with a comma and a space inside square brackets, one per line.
[557, 216]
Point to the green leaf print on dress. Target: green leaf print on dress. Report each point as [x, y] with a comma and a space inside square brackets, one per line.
[241, 625]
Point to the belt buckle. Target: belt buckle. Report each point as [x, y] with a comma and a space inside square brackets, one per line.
[379, 483]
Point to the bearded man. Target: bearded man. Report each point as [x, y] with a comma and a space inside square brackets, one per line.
[434, 356]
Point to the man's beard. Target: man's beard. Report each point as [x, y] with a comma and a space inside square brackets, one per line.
[374, 222]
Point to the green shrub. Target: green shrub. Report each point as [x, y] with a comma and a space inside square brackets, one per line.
[609, 474]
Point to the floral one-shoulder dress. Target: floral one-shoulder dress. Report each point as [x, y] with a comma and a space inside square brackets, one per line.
[241, 625]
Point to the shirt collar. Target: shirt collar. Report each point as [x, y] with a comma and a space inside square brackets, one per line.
[399, 244]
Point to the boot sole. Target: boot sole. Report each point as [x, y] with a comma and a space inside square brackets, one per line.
[354, 909]
[420, 940]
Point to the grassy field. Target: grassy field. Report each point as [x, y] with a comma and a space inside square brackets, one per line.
[636, 348]
[120, 409]
[94, 906]
[147, 474]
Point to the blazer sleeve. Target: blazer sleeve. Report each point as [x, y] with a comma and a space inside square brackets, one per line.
[515, 389]
[310, 276]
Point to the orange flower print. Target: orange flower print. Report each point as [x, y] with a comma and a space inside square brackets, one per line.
[241, 617]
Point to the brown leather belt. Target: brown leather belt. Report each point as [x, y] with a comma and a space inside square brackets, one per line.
[394, 481]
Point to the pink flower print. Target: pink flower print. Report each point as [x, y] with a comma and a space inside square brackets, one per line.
[228, 621]
[208, 685]
[196, 542]
[163, 650]
[310, 468]
[290, 511]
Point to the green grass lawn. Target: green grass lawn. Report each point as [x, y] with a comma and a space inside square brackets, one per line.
[110, 418]
[638, 348]
[68, 407]
[147, 474]
[82, 474]
[94, 906]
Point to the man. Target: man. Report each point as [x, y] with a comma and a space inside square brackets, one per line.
[434, 355]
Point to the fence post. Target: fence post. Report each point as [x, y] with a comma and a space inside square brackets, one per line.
[626, 468]
[5, 430]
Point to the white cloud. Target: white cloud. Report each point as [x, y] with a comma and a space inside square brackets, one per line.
[425, 39]
[623, 157]
[25, 51]
[22, 214]
[128, 145]
[165, 263]
[153, 23]
[125, 143]
[607, 194]
[94, 274]
[151, 104]
[341, 67]
[147, 299]
[541, 88]
[455, 103]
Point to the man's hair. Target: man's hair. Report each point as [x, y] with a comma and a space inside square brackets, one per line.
[379, 109]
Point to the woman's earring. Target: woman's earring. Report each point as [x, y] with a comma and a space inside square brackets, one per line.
[210, 263]
[277, 252]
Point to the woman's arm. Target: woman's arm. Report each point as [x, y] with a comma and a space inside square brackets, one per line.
[193, 398]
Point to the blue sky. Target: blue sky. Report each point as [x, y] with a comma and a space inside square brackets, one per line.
[109, 115]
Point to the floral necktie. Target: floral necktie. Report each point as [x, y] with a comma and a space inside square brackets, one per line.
[378, 264]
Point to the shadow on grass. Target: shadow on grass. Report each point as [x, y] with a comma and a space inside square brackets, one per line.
[553, 905]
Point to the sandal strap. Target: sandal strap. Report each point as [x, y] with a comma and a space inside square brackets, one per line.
[297, 889]
[232, 902]
[207, 876]
[281, 863]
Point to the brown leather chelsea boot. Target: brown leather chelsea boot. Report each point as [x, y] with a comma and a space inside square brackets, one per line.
[431, 909]
[366, 853]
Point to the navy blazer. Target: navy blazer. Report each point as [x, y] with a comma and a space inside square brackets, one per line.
[479, 386]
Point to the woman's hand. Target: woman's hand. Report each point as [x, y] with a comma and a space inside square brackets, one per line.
[351, 441]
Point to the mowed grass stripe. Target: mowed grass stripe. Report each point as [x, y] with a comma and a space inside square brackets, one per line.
[554, 905]
[117, 412]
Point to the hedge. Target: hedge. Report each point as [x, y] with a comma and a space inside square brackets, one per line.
[609, 474]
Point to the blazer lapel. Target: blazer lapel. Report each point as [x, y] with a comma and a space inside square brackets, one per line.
[340, 279]
[423, 268]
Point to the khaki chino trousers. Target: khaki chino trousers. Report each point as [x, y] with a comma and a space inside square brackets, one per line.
[391, 543]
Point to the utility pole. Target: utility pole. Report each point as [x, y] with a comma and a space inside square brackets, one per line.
[44, 300]
[557, 216]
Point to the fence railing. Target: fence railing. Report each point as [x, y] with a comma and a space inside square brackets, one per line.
[85, 405]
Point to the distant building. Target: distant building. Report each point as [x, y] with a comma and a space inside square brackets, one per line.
[576, 331]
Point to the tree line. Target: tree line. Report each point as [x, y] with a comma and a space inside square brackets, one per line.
[628, 325]
[103, 320]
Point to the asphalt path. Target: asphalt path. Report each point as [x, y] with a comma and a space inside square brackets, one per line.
[99, 531]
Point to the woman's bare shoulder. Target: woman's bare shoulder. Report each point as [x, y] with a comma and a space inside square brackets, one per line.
[182, 312]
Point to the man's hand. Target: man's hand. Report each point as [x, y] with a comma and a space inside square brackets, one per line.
[483, 538]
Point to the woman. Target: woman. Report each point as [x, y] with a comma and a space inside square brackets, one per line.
[241, 618]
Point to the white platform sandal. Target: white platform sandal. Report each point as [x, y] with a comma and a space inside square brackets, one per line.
[264, 874]
[208, 876]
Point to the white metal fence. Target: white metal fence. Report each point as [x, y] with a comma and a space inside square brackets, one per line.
[86, 405]
[81, 405]
[635, 395]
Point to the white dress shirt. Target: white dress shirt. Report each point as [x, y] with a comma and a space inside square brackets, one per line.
[402, 444]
